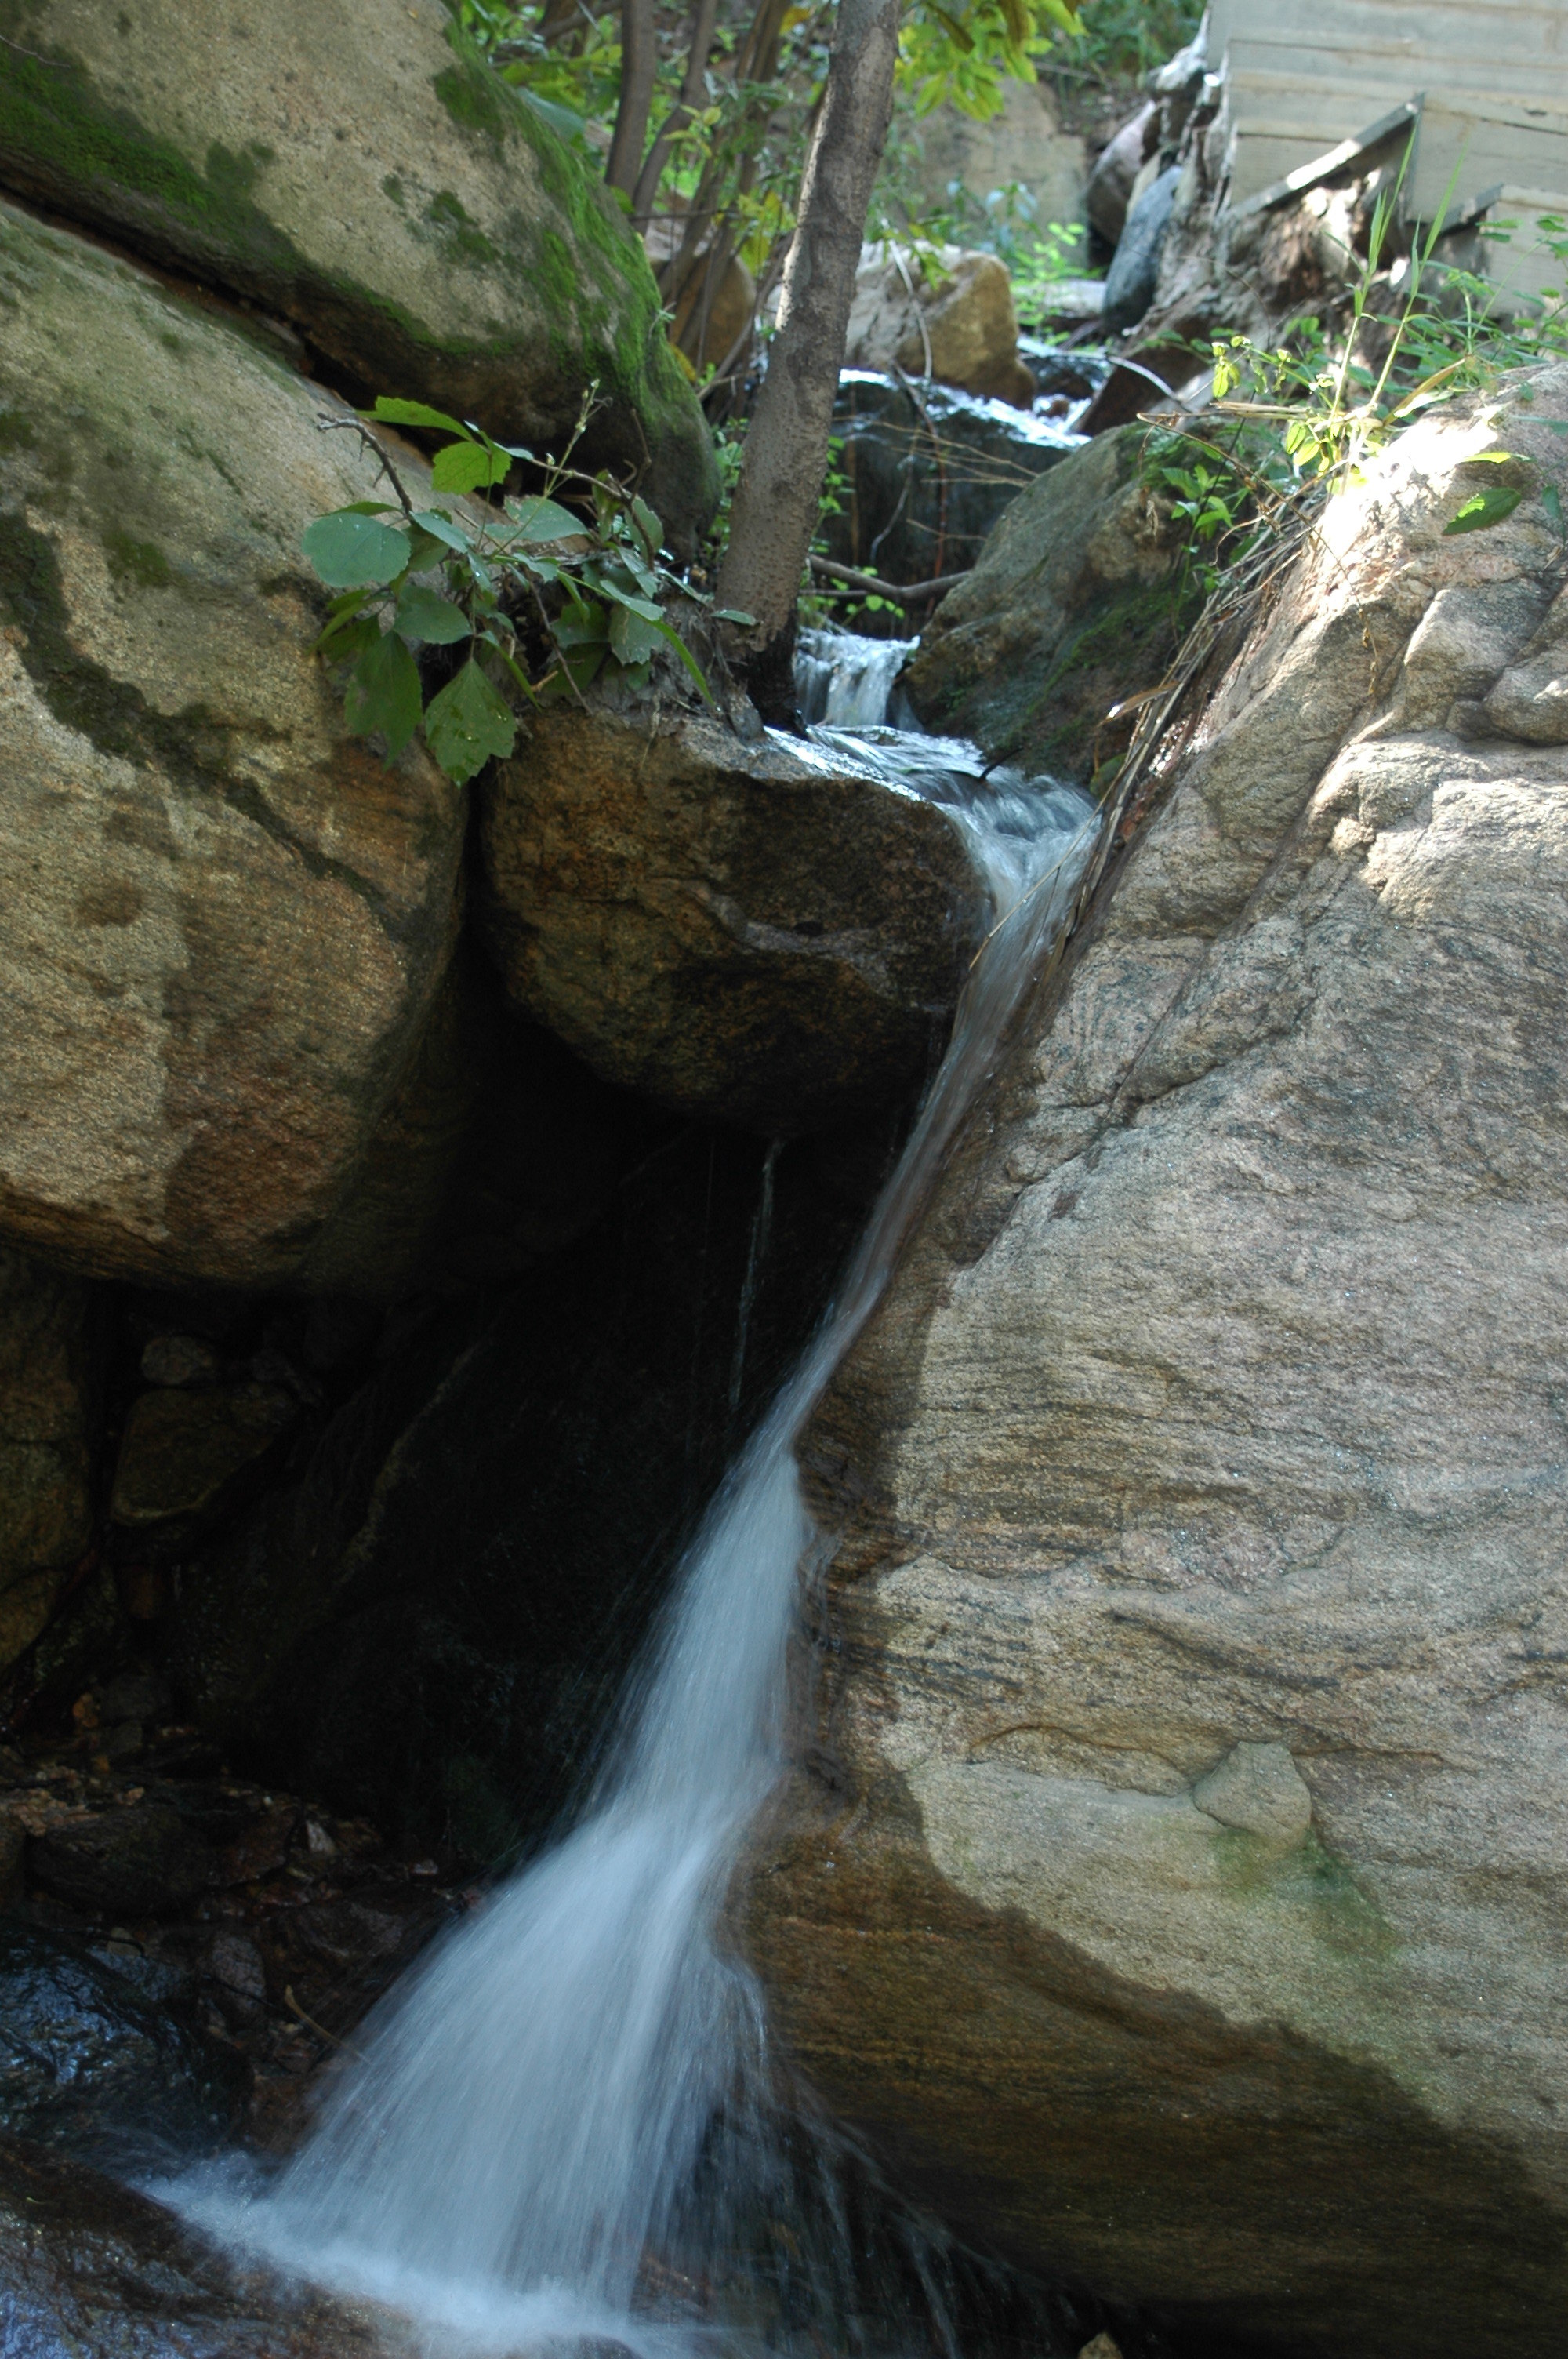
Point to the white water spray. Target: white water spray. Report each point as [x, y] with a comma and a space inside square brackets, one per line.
[536, 2096]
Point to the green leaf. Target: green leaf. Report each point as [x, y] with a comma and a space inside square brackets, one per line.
[355, 552]
[1484, 510]
[629, 599]
[467, 723]
[441, 527]
[685, 653]
[582, 624]
[560, 119]
[1552, 503]
[631, 639]
[542, 519]
[468, 467]
[578, 667]
[412, 413]
[733, 614]
[650, 529]
[384, 693]
[423, 614]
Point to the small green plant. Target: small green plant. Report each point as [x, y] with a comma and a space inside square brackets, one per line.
[545, 598]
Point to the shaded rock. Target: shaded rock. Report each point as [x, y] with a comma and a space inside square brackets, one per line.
[368, 177]
[222, 919]
[1117, 166]
[46, 1473]
[88, 2268]
[1531, 699]
[1215, 1411]
[182, 1453]
[143, 1861]
[1134, 274]
[1258, 1789]
[90, 2067]
[496, 1146]
[180, 1359]
[950, 318]
[1073, 608]
[431, 1623]
[731, 929]
[926, 473]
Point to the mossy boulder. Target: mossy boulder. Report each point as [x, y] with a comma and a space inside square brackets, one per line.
[1074, 608]
[221, 918]
[363, 172]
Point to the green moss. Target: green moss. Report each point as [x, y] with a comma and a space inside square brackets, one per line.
[1309, 1877]
[461, 238]
[393, 187]
[16, 433]
[141, 561]
[473, 96]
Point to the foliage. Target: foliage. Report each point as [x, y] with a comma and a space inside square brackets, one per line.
[1300, 421]
[1124, 38]
[541, 597]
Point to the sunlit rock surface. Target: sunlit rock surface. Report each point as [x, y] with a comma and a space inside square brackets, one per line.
[363, 173]
[222, 920]
[1173, 1883]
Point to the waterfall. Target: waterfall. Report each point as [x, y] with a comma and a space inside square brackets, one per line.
[536, 2102]
[849, 682]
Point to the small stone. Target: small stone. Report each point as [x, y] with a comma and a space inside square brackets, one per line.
[142, 1861]
[181, 1452]
[1258, 1788]
[180, 1359]
[1104, 2346]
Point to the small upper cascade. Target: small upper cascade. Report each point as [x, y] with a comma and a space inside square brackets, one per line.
[849, 682]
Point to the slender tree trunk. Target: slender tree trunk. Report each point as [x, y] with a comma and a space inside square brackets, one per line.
[639, 66]
[705, 17]
[780, 490]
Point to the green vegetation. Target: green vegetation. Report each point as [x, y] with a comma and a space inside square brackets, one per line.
[541, 598]
[1293, 424]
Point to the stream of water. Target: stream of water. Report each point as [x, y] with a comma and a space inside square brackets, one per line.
[578, 2077]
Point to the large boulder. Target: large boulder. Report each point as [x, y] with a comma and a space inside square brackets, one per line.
[46, 1467]
[222, 919]
[1076, 604]
[1176, 1887]
[363, 172]
[739, 930]
[947, 315]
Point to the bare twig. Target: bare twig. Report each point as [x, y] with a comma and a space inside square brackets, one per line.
[327, 424]
[906, 594]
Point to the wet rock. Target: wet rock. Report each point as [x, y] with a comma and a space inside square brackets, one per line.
[927, 472]
[371, 180]
[733, 931]
[221, 918]
[90, 2066]
[1134, 274]
[182, 1454]
[143, 1861]
[1117, 166]
[949, 316]
[88, 2268]
[1204, 1464]
[45, 1497]
[1073, 608]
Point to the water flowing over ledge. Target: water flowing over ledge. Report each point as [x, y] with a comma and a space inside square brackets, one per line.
[577, 2080]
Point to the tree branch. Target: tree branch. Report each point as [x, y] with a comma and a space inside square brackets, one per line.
[639, 66]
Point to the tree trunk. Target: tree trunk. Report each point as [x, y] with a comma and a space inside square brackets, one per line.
[705, 18]
[639, 66]
[780, 490]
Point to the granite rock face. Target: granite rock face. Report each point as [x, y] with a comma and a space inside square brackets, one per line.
[1074, 607]
[735, 928]
[365, 174]
[1175, 1888]
[222, 920]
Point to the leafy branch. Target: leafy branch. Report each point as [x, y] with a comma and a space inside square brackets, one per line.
[545, 598]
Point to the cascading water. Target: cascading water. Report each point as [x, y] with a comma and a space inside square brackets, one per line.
[540, 2099]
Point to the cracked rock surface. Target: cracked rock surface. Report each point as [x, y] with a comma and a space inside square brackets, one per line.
[1173, 1886]
[221, 920]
